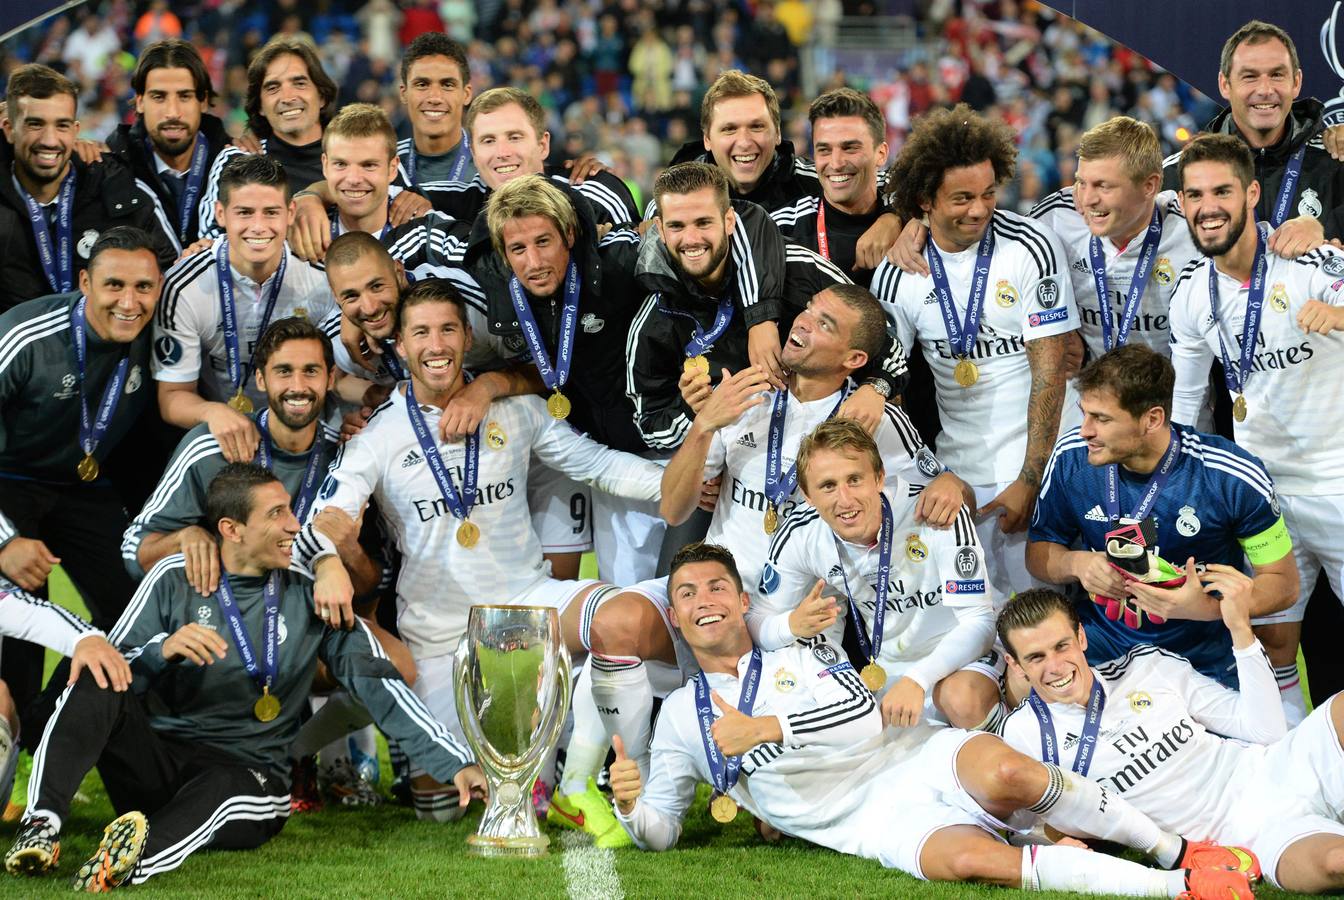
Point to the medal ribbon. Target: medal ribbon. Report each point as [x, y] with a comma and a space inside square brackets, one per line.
[392, 362]
[1250, 329]
[870, 648]
[91, 432]
[723, 770]
[701, 341]
[300, 502]
[1113, 335]
[463, 157]
[387, 226]
[1155, 484]
[263, 672]
[459, 504]
[1087, 741]
[554, 375]
[779, 488]
[823, 240]
[58, 260]
[238, 370]
[961, 335]
[191, 187]
[1291, 172]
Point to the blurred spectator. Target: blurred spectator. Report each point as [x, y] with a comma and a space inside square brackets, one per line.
[423, 16]
[651, 66]
[88, 49]
[157, 22]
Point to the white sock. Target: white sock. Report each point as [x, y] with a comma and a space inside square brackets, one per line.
[624, 700]
[993, 719]
[1290, 693]
[437, 804]
[1053, 868]
[337, 716]
[588, 743]
[1083, 808]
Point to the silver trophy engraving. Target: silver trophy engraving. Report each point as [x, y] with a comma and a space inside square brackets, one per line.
[512, 682]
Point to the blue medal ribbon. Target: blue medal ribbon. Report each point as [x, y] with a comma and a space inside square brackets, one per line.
[871, 647]
[702, 341]
[1087, 741]
[723, 770]
[57, 259]
[1235, 377]
[463, 157]
[92, 429]
[263, 671]
[301, 501]
[191, 187]
[238, 370]
[1113, 335]
[1291, 172]
[387, 226]
[459, 504]
[554, 375]
[780, 487]
[961, 335]
[392, 362]
[1155, 484]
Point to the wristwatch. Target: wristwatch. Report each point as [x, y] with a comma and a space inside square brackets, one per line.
[880, 385]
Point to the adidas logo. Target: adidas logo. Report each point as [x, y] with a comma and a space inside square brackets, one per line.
[747, 440]
[1080, 265]
[1096, 515]
[836, 572]
[931, 299]
[412, 459]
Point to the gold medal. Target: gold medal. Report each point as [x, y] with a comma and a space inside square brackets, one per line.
[967, 373]
[1239, 408]
[240, 402]
[771, 518]
[874, 677]
[468, 534]
[267, 706]
[558, 405]
[723, 808]
[87, 468]
[695, 364]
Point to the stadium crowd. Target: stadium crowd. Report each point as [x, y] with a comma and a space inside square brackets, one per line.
[951, 529]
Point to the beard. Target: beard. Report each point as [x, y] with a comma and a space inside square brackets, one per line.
[172, 148]
[716, 256]
[291, 421]
[21, 162]
[1235, 227]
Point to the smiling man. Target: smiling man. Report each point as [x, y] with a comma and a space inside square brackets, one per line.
[435, 89]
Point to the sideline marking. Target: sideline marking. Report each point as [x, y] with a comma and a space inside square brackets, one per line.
[590, 872]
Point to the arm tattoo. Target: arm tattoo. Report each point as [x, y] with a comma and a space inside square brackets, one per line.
[1044, 405]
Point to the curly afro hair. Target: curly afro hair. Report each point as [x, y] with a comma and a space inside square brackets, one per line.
[947, 139]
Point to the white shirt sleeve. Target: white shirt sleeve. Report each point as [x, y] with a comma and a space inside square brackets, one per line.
[1254, 713]
[1191, 357]
[1048, 307]
[717, 457]
[973, 634]
[785, 580]
[178, 341]
[655, 822]
[844, 710]
[349, 484]
[580, 457]
[969, 640]
[29, 618]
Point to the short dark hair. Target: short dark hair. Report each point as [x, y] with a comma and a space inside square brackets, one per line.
[947, 139]
[435, 43]
[1218, 148]
[1256, 32]
[173, 53]
[870, 332]
[249, 168]
[432, 290]
[846, 102]
[353, 246]
[281, 332]
[702, 551]
[229, 495]
[39, 82]
[1138, 376]
[687, 178]
[256, 73]
[1029, 609]
[123, 237]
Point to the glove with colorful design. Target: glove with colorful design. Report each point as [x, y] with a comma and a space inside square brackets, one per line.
[1131, 551]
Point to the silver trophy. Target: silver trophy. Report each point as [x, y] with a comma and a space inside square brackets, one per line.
[512, 683]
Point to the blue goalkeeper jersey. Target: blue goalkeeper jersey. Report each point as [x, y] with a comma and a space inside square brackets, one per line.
[1218, 506]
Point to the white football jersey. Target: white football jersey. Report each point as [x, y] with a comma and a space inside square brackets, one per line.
[1175, 250]
[440, 579]
[1159, 745]
[984, 435]
[1295, 390]
[189, 324]
[934, 573]
[738, 452]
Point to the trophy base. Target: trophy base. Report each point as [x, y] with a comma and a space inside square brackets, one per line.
[517, 847]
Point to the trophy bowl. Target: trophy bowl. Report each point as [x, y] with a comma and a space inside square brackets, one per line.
[512, 686]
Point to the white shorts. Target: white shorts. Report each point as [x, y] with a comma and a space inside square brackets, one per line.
[1293, 790]
[931, 798]
[627, 535]
[1005, 554]
[1315, 524]
[561, 510]
[669, 677]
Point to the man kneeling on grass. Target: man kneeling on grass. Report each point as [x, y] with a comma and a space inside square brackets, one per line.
[795, 737]
[194, 756]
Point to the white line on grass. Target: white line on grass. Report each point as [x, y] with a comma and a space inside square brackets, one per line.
[590, 872]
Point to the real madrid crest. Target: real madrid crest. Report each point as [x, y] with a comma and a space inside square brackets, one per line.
[1187, 523]
[1140, 701]
[495, 438]
[1309, 204]
[1278, 297]
[1163, 271]
[785, 680]
[1005, 294]
[300, 312]
[915, 550]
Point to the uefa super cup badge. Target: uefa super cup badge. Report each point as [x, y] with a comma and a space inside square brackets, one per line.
[1005, 294]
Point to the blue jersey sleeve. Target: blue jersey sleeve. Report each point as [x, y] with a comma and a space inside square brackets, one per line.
[1248, 491]
[1056, 518]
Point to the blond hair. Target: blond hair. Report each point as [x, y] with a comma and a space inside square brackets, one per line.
[838, 436]
[361, 120]
[499, 97]
[529, 195]
[1134, 142]
[733, 83]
